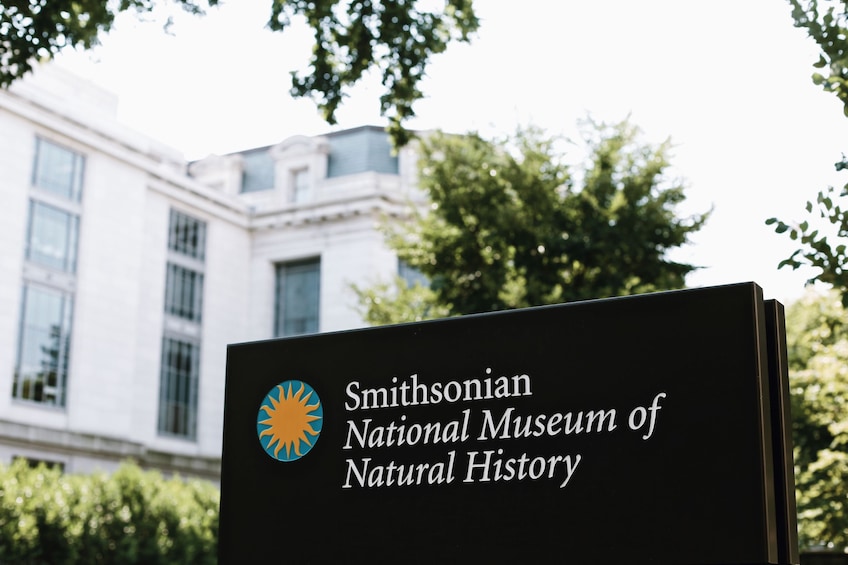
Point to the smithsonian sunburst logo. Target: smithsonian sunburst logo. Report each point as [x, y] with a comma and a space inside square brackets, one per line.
[289, 420]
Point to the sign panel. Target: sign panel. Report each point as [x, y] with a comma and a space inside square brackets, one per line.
[649, 429]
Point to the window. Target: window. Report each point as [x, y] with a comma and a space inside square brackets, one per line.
[300, 186]
[58, 170]
[52, 237]
[34, 463]
[178, 388]
[258, 171]
[183, 293]
[44, 334]
[359, 150]
[42, 367]
[297, 302]
[411, 275]
[180, 368]
[187, 235]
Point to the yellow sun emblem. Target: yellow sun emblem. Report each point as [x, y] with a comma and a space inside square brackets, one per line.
[291, 425]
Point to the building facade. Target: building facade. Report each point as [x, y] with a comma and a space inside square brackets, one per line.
[125, 271]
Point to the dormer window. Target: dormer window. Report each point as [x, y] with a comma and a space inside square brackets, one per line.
[299, 186]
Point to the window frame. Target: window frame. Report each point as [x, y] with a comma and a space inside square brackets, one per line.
[183, 292]
[27, 337]
[301, 185]
[283, 319]
[67, 263]
[186, 235]
[44, 177]
[177, 412]
[178, 388]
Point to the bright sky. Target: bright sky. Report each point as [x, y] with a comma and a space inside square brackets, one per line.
[727, 81]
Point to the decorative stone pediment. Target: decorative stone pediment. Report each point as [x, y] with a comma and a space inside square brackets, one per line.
[299, 146]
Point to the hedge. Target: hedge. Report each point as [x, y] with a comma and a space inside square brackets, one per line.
[127, 517]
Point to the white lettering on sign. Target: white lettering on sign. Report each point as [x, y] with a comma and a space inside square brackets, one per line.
[411, 392]
[490, 465]
[390, 446]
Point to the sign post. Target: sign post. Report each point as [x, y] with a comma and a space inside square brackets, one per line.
[645, 429]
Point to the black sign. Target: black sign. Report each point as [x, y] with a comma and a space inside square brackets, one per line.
[648, 429]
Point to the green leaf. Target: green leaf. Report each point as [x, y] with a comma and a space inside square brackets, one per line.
[494, 236]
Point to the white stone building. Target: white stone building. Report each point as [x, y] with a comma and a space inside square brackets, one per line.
[125, 271]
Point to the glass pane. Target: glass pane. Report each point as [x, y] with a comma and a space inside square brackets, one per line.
[58, 170]
[178, 388]
[300, 190]
[298, 298]
[183, 293]
[44, 343]
[187, 235]
[258, 171]
[52, 237]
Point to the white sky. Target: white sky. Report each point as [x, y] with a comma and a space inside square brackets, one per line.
[728, 81]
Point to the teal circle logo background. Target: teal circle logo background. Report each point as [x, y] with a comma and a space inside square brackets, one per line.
[289, 420]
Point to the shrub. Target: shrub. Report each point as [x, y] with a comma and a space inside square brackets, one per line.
[127, 517]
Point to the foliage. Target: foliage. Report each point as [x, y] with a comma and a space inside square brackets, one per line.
[131, 516]
[396, 38]
[38, 29]
[817, 339]
[828, 258]
[826, 22]
[508, 226]
[398, 303]
[816, 330]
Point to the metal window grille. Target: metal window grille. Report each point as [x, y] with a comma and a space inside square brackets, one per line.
[184, 293]
[178, 388]
[187, 236]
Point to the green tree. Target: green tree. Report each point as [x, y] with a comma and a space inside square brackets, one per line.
[510, 226]
[816, 330]
[826, 22]
[823, 235]
[394, 37]
[398, 302]
[33, 30]
[817, 339]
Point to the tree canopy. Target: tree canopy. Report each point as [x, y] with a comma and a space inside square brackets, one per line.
[817, 339]
[34, 30]
[352, 37]
[826, 22]
[822, 236]
[396, 38]
[511, 225]
[816, 332]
